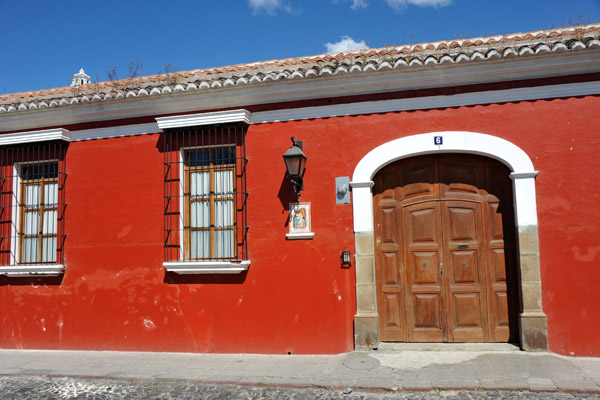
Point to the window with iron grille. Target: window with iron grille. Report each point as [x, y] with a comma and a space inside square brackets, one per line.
[205, 194]
[32, 206]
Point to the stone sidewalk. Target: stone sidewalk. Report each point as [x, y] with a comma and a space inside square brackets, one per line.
[406, 368]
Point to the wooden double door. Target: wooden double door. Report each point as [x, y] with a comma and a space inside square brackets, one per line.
[445, 250]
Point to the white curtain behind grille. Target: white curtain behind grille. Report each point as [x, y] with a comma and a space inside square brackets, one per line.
[51, 195]
[32, 196]
[200, 214]
[224, 213]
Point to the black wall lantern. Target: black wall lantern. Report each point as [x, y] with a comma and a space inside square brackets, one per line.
[295, 163]
[345, 257]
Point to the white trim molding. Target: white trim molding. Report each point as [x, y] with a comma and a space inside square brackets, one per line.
[32, 270]
[207, 267]
[429, 102]
[453, 142]
[209, 118]
[35, 136]
[366, 184]
[297, 236]
[302, 113]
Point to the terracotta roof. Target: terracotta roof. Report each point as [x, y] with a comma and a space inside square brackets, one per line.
[369, 60]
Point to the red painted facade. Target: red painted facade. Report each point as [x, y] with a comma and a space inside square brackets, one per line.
[295, 297]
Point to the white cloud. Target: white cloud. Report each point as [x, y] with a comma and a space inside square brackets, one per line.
[399, 4]
[356, 4]
[346, 44]
[269, 6]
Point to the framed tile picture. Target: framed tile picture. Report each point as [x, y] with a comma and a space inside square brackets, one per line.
[300, 221]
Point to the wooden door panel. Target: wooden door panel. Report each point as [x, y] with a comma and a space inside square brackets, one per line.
[499, 317]
[424, 289]
[392, 312]
[465, 271]
[424, 266]
[464, 267]
[468, 323]
[390, 269]
[500, 304]
[462, 221]
[426, 308]
[441, 258]
[495, 222]
[427, 324]
[498, 265]
[422, 227]
[389, 227]
[467, 306]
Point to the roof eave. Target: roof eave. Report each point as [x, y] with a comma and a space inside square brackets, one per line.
[345, 83]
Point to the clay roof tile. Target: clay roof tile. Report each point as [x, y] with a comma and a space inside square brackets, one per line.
[317, 62]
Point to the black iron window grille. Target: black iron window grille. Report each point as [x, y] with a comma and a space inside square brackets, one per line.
[205, 194]
[32, 204]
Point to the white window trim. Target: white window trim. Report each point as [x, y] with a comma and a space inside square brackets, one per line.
[15, 269]
[204, 119]
[296, 236]
[207, 267]
[35, 136]
[32, 270]
[187, 121]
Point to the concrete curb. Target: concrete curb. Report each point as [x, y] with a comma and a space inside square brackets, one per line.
[376, 371]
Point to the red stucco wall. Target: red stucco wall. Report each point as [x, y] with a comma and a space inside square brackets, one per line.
[295, 296]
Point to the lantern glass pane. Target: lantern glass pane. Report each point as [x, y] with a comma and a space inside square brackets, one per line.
[292, 165]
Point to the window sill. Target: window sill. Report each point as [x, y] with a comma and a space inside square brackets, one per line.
[296, 236]
[32, 270]
[207, 267]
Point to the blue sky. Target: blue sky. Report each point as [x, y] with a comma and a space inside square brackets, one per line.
[45, 42]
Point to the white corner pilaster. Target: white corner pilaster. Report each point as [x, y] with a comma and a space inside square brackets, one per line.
[525, 201]
[362, 199]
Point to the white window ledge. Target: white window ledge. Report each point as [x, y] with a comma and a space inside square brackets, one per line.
[32, 270]
[207, 267]
[296, 236]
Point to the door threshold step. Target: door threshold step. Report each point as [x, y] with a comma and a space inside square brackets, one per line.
[486, 347]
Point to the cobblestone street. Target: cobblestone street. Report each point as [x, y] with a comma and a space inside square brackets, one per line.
[40, 387]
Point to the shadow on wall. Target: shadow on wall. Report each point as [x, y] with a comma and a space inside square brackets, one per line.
[31, 280]
[286, 194]
[173, 278]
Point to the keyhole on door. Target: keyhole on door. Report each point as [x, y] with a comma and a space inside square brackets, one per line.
[464, 264]
[424, 265]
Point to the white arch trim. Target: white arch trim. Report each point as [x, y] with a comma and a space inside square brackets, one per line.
[500, 149]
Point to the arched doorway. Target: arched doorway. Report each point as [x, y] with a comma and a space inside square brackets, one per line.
[532, 321]
[445, 259]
